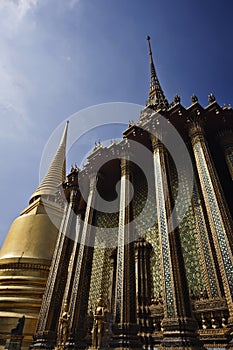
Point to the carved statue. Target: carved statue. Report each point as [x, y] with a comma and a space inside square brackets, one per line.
[63, 326]
[98, 326]
[194, 98]
[15, 337]
[176, 99]
[211, 98]
[18, 330]
[131, 122]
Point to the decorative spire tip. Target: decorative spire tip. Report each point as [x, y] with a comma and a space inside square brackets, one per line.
[156, 95]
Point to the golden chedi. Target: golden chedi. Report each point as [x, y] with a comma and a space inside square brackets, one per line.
[26, 254]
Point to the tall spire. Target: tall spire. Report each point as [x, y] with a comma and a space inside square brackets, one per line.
[157, 98]
[56, 172]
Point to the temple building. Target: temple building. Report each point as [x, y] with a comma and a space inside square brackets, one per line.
[153, 271]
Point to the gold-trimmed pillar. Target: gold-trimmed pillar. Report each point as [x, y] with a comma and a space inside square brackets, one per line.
[69, 280]
[112, 284]
[179, 326]
[73, 259]
[217, 210]
[78, 302]
[125, 328]
[211, 278]
[52, 300]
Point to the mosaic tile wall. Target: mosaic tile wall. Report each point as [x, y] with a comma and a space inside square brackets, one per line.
[141, 196]
[189, 235]
[147, 227]
[100, 276]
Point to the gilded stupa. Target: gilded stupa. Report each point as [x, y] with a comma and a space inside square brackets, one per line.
[26, 254]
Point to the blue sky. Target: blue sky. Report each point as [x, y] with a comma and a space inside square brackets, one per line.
[60, 56]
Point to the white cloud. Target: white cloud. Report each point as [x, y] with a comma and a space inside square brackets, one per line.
[26, 5]
[12, 12]
[24, 61]
[19, 7]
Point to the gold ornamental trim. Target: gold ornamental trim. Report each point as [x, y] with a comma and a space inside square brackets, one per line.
[23, 266]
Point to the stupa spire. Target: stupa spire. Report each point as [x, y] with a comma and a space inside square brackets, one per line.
[56, 172]
[157, 98]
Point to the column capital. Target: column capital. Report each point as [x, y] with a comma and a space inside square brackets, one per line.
[126, 166]
[156, 143]
[93, 180]
[196, 130]
[74, 194]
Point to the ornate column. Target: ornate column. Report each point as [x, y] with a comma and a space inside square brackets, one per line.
[225, 138]
[81, 278]
[125, 329]
[217, 210]
[112, 284]
[69, 284]
[73, 259]
[179, 326]
[213, 288]
[52, 300]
